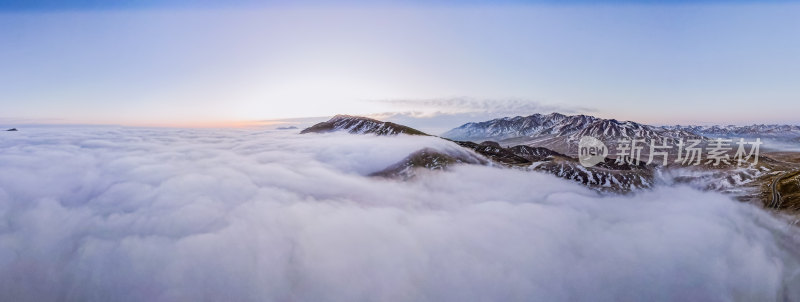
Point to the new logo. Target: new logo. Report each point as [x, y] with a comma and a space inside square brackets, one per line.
[591, 151]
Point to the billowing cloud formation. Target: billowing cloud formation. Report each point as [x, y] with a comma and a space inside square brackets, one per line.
[185, 215]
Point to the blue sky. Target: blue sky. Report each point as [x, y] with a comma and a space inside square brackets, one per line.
[206, 63]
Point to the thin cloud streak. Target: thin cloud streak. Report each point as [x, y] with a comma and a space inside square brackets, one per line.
[442, 114]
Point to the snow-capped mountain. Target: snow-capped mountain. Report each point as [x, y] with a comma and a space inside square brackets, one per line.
[562, 133]
[520, 126]
[361, 125]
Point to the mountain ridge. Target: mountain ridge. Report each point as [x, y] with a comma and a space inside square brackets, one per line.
[561, 133]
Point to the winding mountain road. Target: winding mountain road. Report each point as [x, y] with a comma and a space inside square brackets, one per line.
[776, 195]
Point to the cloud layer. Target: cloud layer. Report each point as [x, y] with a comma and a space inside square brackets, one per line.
[184, 215]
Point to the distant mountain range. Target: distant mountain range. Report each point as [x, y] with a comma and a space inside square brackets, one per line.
[563, 132]
[765, 131]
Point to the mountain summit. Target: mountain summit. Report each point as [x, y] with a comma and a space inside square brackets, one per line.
[361, 125]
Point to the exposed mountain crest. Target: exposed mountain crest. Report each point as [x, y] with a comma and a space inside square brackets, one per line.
[361, 125]
[428, 159]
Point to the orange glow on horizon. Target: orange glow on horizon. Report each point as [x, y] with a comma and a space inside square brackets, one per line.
[212, 124]
[186, 124]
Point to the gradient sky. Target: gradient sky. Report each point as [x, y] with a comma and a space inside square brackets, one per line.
[209, 63]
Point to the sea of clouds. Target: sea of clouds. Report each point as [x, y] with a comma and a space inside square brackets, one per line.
[126, 214]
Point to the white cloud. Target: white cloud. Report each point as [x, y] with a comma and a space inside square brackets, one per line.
[225, 215]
